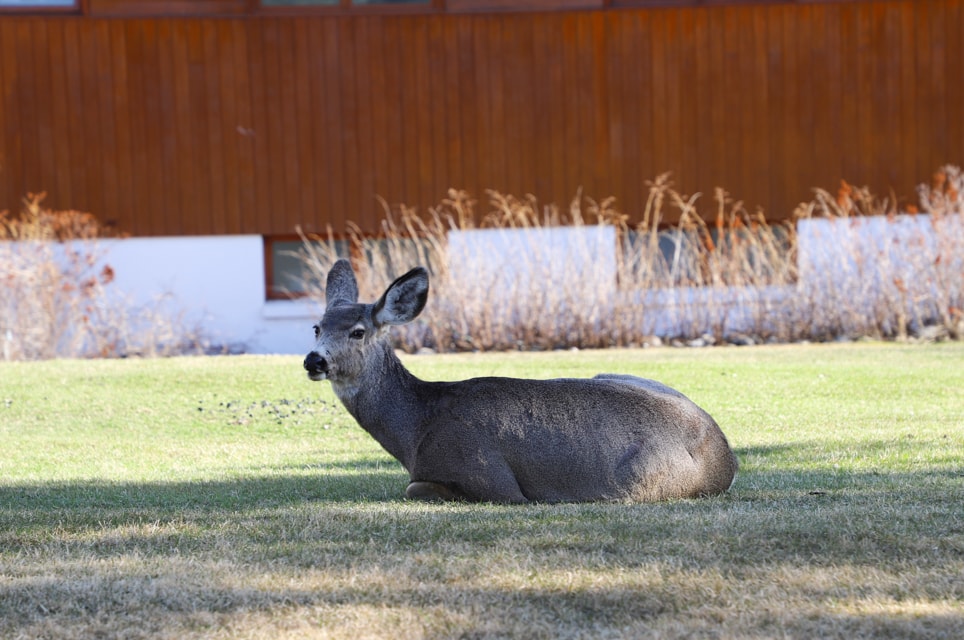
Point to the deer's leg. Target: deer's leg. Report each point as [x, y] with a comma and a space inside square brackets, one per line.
[430, 492]
[486, 491]
[498, 484]
[470, 471]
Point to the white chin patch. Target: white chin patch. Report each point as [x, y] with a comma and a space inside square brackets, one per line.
[317, 377]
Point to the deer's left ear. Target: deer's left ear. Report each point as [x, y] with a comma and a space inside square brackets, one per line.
[403, 300]
[341, 288]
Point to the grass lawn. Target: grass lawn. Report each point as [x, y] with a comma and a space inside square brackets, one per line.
[231, 497]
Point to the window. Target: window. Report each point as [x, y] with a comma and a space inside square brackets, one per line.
[295, 269]
[38, 4]
[468, 6]
[290, 3]
[339, 3]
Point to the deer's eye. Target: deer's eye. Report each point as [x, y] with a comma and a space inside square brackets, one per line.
[357, 334]
[317, 331]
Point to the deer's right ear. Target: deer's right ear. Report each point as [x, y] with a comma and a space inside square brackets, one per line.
[341, 287]
[403, 300]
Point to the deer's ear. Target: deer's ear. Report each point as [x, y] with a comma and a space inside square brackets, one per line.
[341, 288]
[403, 300]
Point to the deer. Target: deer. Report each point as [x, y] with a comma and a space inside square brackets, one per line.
[613, 437]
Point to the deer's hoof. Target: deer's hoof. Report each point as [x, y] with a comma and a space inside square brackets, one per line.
[429, 492]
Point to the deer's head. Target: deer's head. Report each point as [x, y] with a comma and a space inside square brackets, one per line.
[349, 331]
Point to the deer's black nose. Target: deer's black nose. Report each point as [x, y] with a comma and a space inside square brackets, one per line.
[316, 364]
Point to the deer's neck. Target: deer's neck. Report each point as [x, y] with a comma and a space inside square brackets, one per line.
[384, 401]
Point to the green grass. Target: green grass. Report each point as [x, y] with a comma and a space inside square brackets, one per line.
[231, 497]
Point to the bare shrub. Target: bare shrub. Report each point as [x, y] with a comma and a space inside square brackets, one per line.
[531, 283]
[849, 265]
[696, 278]
[56, 298]
[873, 271]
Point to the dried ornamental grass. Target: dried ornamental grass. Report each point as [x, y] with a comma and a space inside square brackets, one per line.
[849, 265]
[56, 298]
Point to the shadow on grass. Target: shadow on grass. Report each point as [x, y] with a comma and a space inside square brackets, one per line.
[873, 468]
[771, 472]
[371, 483]
[803, 508]
[383, 483]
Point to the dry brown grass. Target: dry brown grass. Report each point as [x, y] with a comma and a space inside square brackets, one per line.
[736, 277]
[543, 577]
[310, 608]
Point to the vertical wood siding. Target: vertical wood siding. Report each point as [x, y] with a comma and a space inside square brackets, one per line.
[259, 124]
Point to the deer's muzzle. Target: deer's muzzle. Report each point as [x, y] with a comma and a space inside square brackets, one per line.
[316, 366]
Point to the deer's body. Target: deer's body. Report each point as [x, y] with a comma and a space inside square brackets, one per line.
[612, 437]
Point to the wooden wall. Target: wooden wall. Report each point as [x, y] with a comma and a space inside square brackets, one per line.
[255, 124]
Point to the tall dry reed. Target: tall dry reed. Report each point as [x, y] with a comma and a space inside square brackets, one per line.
[534, 276]
[868, 269]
